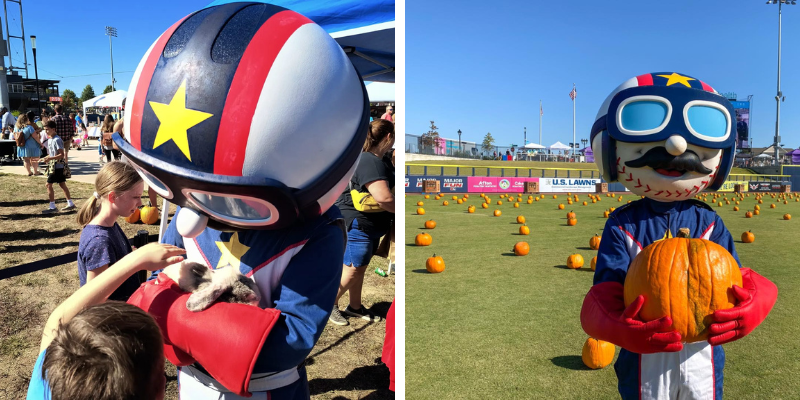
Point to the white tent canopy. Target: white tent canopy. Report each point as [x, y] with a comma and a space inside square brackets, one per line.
[763, 155]
[380, 92]
[112, 99]
[533, 146]
[558, 146]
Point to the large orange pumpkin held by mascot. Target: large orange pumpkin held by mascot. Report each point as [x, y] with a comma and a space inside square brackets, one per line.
[686, 279]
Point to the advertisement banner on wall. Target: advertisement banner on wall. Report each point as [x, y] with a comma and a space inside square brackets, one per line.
[455, 184]
[559, 185]
[730, 186]
[764, 186]
[484, 184]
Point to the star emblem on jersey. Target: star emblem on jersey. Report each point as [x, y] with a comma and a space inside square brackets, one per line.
[677, 78]
[231, 251]
[175, 120]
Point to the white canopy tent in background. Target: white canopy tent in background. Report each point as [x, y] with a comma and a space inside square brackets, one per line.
[533, 146]
[558, 146]
[380, 92]
[112, 99]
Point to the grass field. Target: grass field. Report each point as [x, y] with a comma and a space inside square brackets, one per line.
[345, 363]
[494, 325]
[547, 169]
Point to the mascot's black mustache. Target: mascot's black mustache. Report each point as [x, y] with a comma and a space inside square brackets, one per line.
[659, 157]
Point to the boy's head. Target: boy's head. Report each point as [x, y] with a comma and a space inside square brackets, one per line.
[50, 128]
[109, 351]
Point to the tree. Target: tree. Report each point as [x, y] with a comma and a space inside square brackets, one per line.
[488, 142]
[429, 138]
[68, 99]
[87, 94]
[108, 89]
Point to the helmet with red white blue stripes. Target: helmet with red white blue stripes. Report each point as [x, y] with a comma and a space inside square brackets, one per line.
[654, 107]
[248, 114]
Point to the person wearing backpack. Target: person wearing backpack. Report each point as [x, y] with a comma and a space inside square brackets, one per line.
[368, 207]
[107, 131]
[28, 145]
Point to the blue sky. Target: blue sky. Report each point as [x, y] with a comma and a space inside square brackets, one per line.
[71, 41]
[483, 66]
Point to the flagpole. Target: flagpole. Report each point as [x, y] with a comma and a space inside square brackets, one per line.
[573, 120]
[540, 122]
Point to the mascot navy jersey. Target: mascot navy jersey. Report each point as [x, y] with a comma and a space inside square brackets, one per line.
[288, 270]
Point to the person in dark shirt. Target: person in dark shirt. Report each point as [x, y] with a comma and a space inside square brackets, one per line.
[374, 175]
[103, 243]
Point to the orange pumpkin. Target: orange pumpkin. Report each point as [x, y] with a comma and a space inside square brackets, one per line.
[497, 213]
[748, 237]
[594, 242]
[572, 221]
[575, 261]
[555, 197]
[459, 201]
[471, 209]
[597, 354]
[484, 205]
[499, 203]
[524, 230]
[772, 205]
[570, 214]
[530, 201]
[756, 212]
[133, 218]
[787, 216]
[585, 203]
[430, 224]
[427, 196]
[594, 263]
[735, 208]
[561, 206]
[756, 208]
[420, 211]
[423, 239]
[520, 219]
[149, 215]
[419, 203]
[606, 214]
[434, 264]
[660, 272]
[521, 249]
[445, 203]
[455, 197]
[516, 205]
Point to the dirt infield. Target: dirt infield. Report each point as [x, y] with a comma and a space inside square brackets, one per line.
[345, 364]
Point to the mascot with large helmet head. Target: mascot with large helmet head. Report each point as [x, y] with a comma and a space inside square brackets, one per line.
[251, 118]
[667, 137]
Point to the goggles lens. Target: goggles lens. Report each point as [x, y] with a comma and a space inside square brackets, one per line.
[238, 207]
[643, 115]
[154, 182]
[707, 121]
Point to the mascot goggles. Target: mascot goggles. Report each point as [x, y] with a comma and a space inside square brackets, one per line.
[247, 202]
[653, 114]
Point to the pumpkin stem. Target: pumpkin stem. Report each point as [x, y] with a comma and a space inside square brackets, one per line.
[683, 233]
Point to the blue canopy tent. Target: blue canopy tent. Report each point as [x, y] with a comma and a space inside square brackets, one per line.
[364, 29]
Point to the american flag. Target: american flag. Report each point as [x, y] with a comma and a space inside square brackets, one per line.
[573, 94]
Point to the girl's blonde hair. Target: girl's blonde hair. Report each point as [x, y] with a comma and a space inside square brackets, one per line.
[117, 177]
[379, 129]
[22, 121]
[108, 124]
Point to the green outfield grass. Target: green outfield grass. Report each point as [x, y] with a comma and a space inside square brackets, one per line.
[497, 326]
[499, 168]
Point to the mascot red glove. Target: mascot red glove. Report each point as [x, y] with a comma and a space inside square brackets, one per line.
[225, 338]
[756, 298]
[605, 317]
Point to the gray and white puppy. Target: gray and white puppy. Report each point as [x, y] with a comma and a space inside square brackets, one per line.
[208, 286]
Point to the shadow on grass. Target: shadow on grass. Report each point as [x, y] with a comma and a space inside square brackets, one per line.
[35, 234]
[37, 247]
[23, 203]
[18, 217]
[421, 271]
[574, 363]
[584, 248]
[371, 377]
[578, 269]
[509, 254]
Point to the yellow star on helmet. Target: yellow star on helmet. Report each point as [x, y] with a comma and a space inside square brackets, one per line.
[232, 252]
[677, 78]
[176, 120]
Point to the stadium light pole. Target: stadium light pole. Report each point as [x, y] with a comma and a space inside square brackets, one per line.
[779, 97]
[111, 32]
[36, 72]
[459, 140]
